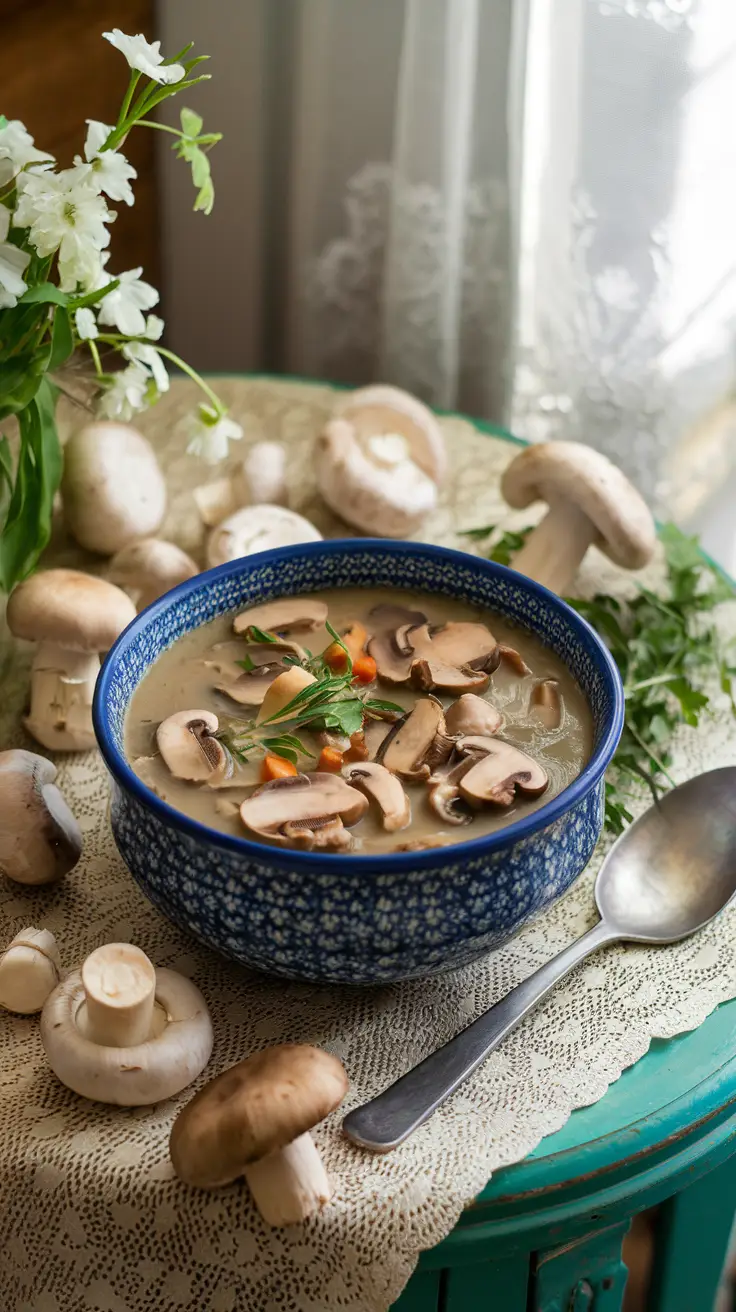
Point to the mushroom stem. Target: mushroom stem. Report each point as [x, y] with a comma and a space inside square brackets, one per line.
[289, 1184]
[119, 987]
[62, 688]
[554, 550]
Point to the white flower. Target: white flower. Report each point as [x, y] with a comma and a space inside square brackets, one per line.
[128, 393]
[17, 151]
[86, 323]
[148, 356]
[154, 327]
[123, 307]
[210, 433]
[145, 56]
[67, 215]
[12, 265]
[105, 170]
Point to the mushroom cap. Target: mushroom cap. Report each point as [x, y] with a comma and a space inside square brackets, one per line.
[381, 409]
[253, 1109]
[285, 615]
[380, 491]
[472, 715]
[136, 1076]
[569, 471]
[258, 528]
[187, 743]
[112, 489]
[385, 789]
[499, 769]
[40, 840]
[296, 809]
[74, 610]
[416, 742]
[151, 566]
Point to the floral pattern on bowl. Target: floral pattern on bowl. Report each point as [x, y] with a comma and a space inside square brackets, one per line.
[356, 919]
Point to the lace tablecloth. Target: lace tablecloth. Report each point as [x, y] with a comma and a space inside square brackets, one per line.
[91, 1216]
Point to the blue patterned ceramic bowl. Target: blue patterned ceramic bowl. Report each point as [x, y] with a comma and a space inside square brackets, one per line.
[355, 919]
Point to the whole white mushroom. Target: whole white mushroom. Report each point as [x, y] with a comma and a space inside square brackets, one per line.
[257, 479]
[120, 1031]
[148, 568]
[381, 460]
[112, 489]
[258, 528]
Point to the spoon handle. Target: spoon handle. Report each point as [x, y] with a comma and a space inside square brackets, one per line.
[385, 1121]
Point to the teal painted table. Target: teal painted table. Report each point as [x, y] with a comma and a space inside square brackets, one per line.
[546, 1234]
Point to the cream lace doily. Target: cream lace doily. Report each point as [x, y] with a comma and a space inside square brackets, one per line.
[91, 1216]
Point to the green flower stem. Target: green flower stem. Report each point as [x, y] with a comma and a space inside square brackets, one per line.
[116, 339]
[160, 127]
[95, 356]
[135, 78]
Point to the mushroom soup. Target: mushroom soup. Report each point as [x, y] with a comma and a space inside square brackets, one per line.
[358, 720]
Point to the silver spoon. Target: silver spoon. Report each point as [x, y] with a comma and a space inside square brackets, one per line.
[665, 878]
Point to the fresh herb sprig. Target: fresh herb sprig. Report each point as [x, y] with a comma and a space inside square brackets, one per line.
[331, 703]
[669, 655]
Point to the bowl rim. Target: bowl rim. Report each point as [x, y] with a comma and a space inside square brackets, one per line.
[447, 854]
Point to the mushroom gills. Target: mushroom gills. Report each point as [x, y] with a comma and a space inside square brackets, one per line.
[385, 789]
[408, 745]
[312, 810]
[498, 770]
[453, 657]
[190, 749]
[287, 615]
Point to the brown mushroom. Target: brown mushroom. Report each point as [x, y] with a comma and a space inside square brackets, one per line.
[190, 749]
[73, 617]
[546, 703]
[375, 733]
[305, 811]
[466, 647]
[500, 769]
[444, 792]
[513, 658]
[148, 568]
[472, 715]
[40, 841]
[590, 502]
[434, 676]
[287, 615]
[253, 1121]
[250, 687]
[417, 742]
[385, 789]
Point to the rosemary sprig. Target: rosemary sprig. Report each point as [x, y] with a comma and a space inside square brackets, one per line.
[668, 652]
[331, 703]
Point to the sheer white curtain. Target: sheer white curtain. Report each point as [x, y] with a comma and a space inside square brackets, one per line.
[520, 208]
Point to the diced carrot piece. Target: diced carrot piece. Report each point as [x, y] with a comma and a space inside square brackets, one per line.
[364, 669]
[276, 767]
[336, 657]
[357, 750]
[355, 638]
[330, 760]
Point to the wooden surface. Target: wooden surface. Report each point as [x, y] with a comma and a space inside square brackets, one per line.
[55, 72]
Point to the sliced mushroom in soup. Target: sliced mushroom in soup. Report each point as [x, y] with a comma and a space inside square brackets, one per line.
[358, 721]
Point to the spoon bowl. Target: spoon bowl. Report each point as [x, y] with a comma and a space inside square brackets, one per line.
[674, 868]
[665, 878]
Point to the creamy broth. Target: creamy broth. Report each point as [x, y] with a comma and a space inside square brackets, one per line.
[185, 678]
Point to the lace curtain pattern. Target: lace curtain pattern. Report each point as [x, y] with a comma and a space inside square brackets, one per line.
[517, 208]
